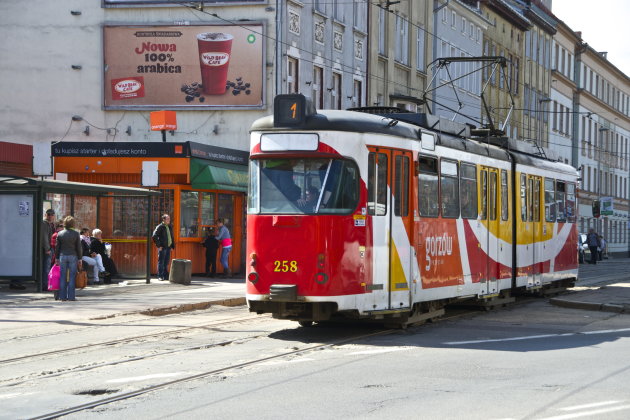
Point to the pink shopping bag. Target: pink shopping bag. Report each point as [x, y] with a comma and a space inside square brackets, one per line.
[53, 277]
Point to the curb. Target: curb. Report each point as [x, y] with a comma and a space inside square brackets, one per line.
[591, 306]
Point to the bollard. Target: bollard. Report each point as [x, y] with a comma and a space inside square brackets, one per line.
[181, 271]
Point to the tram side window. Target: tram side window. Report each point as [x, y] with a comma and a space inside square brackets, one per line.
[401, 204]
[493, 196]
[484, 195]
[428, 187]
[523, 197]
[560, 197]
[536, 200]
[550, 200]
[468, 187]
[570, 203]
[377, 184]
[530, 200]
[449, 189]
[504, 195]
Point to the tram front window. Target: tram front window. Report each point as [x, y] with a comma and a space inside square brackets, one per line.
[304, 186]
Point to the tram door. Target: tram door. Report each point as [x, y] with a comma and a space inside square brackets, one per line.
[378, 210]
[402, 267]
[535, 279]
[489, 214]
[389, 186]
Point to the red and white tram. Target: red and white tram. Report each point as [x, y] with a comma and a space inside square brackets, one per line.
[380, 217]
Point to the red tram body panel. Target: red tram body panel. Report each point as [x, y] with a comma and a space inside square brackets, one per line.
[379, 217]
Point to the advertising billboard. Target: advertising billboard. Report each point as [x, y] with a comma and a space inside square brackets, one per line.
[186, 67]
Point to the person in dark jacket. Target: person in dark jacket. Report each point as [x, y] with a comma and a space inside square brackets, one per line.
[592, 240]
[98, 247]
[212, 245]
[164, 241]
[68, 252]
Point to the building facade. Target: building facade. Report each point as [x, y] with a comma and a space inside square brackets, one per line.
[322, 48]
[399, 39]
[505, 38]
[459, 28]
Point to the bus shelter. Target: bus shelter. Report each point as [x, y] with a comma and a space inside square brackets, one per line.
[123, 214]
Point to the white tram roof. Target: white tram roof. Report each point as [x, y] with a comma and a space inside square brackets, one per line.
[412, 125]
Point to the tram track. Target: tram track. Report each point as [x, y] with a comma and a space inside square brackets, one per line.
[129, 339]
[254, 362]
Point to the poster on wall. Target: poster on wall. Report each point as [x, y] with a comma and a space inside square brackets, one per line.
[189, 67]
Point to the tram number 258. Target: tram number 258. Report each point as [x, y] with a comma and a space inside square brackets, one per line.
[285, 266]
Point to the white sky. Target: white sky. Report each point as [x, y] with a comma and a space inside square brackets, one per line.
[605, 26]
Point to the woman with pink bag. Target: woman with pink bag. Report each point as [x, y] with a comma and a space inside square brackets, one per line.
[68, 253]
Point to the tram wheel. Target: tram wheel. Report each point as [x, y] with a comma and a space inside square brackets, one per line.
[305, 324]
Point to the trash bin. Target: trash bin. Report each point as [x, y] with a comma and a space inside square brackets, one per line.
[181, 271]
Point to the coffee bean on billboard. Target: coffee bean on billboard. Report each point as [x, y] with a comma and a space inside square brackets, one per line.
[202, 99]
[238, 79]
[247, 92]
[236, 92]
[247, 85]
[189, 98]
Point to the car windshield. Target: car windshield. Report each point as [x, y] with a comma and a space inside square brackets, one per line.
[303, 186]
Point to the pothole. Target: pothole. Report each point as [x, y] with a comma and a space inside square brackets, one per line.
[96, 392]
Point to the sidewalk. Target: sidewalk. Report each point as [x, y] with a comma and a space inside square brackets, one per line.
[598, 289]
[126, 297]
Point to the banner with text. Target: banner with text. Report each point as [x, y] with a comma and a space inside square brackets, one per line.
[192, 67]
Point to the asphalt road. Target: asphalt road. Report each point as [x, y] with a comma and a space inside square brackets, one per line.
[531, 360]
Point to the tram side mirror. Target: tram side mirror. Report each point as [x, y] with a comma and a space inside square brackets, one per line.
[292, 110]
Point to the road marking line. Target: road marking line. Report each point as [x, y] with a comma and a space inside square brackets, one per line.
[533, 337]
[593, 405]
[587, 413]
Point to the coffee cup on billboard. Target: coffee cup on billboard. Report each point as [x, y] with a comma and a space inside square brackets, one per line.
[215, 49]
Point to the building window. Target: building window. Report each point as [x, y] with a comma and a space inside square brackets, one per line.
[402, 40]
[292, 75]
[357, 94]
[318, 86]
[336, 91]
[420, 49]
[382, 28]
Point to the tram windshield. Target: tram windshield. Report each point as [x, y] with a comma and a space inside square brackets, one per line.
[303, 186]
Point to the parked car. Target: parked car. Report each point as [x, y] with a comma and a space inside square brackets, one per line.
[583, 249]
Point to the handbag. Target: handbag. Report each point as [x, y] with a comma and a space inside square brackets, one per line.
[53, 277]
[81, 279]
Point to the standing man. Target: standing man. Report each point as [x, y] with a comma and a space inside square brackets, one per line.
[164, 240]
[47, 230]
[592, 240]
[225, 240]
[212, 246]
